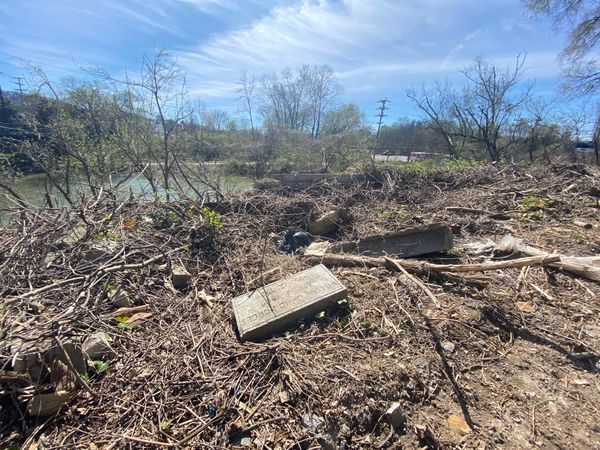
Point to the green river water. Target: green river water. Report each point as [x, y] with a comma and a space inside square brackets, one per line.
[31, 187]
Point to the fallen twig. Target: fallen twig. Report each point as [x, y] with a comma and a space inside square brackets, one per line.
[418, 282]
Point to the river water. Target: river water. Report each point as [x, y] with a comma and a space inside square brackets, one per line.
[31, 187]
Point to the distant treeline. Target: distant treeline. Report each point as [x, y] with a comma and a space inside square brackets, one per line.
[99, 126]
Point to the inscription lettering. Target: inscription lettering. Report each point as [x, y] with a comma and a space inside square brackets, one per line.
[273, 306]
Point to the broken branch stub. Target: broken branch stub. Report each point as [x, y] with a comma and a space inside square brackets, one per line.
[270, 308]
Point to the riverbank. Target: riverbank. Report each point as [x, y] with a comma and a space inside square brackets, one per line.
[31, 188]
[507, 357]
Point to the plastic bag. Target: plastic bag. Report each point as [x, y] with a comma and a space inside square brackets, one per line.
[509, 244]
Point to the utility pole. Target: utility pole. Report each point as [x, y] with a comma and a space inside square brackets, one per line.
[382, 113]
[20, 88]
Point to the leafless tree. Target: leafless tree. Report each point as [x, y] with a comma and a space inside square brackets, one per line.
[158, 95]
[490, 102]
[299, 99]
[437, 102]
[579, 57]
[324, 93]
[577, 122]
[247, 88]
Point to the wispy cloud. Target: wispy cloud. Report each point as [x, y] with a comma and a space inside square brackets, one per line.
[376, 47]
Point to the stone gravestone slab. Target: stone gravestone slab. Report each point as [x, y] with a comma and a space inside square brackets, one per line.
[270, 308]
[433, 238]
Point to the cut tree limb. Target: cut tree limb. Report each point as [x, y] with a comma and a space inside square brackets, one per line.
[420, 267]
[583, 266]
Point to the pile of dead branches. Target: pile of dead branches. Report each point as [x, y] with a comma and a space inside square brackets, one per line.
[150, 284]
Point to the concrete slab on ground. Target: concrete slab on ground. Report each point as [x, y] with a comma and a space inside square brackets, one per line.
[405, 243]
[271, 308]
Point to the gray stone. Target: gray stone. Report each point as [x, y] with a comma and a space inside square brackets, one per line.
[313, 422]
[432, 238]
[327, 223]
[275, 306]
[73, 350]
[26, 359]
[395, 415]
[101, 251]
[448, 346]
[119, 297]
[97, 346]
[74, 236]
[180, 277]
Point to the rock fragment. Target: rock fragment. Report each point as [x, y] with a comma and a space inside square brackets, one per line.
[180, 277]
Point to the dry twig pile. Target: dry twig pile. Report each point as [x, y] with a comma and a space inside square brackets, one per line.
[507, 358]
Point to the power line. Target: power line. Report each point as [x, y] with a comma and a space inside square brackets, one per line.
[382, 113]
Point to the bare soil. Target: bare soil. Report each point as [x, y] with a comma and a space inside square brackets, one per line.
[510, 360]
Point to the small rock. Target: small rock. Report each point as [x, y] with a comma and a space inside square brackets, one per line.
[63, 377]
[75, 235]
[97, 346]
[313, 422]
[48, 404]
[448, 346]
[119, 297]
[26, 359]
[395, 415]
[75, 353]
[180, 277]
[284, 396]
[326, 224]
[100, 252]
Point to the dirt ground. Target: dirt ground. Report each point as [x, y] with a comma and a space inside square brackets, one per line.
[507, 359]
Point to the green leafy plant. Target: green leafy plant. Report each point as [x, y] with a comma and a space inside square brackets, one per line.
[165, 424]
[122, 323]
[212, 219]
[366, 326]
[100, 366]
[532, 203]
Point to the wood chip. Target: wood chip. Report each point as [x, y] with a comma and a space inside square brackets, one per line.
[137, 317]
[458, 425]
[526, 307]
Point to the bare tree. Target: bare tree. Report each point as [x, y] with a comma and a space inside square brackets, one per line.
[579, 57]
[576, 124]
[325, 91]
[438, 103]
[299, 99]
[158, 95]
[490, 102]
[247, 90]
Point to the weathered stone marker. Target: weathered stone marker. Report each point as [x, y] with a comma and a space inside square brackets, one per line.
[433, 238]
[270, 308]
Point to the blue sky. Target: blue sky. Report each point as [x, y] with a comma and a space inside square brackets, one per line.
[377, 48]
